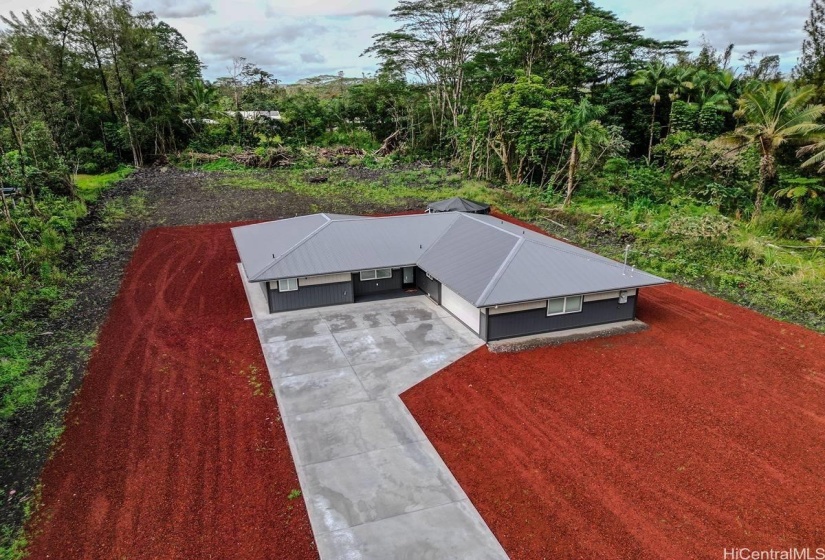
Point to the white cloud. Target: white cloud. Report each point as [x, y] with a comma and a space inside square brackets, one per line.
[352, 8]
[294, 39]
[767, 26]
[313, 58]
[172, 9]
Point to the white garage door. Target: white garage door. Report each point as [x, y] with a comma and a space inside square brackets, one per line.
[465, 311]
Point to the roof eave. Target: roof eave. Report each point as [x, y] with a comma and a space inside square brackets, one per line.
[659, 282]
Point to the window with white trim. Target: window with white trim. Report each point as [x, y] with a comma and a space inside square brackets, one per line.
[377, 274]
[288, 285]
[560, 306]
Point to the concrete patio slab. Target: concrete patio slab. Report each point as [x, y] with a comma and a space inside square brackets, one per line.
[412, 312]
[320, 390]
[370, 345]
[293, 328]
[304, 355]
[393, 377]
[339, 321]
[374, 485]
[453, 531]
[377, 485]
[432, 335]
[332, 433]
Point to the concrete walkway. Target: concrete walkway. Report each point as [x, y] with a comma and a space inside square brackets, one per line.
[374, 486]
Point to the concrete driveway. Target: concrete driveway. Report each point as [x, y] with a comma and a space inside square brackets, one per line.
[374, 485]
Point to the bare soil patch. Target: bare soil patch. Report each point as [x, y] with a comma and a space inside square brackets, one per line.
[703, 432]
[173, 446]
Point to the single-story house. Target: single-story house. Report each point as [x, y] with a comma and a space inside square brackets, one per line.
[497, 278]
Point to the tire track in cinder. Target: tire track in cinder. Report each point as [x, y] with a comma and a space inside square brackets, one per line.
[131, 434]
[176, 473]
[177, 422]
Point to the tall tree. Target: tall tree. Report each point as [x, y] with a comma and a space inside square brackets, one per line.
[512, 129]
[574, 41]
[775, 114]
[582, 131]
[655, 78]
[811, 65]
[436, 40]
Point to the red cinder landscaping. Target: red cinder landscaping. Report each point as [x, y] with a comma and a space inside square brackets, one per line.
[173, 447]
[705, 432]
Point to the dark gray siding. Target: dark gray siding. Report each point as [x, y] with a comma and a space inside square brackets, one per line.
[368, 287]
[310, 296]
[428, 285]
[535, 321]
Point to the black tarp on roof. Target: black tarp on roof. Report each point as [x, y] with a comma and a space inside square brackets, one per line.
[457, 204]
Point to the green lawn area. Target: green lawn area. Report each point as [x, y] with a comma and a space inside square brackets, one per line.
[89, 187]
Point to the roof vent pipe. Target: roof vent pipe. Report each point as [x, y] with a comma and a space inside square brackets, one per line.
[626, 251]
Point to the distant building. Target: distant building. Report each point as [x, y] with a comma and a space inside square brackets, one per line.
[252, 115]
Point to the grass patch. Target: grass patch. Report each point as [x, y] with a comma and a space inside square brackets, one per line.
[222, 164]
[252, 377]
[379, 188]
[19, 386]
[120, 209]
[89, 187]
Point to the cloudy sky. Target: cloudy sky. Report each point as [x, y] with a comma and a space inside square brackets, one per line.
[295, 39]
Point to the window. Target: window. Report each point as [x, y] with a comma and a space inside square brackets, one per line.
[569, 304]
[378, 274]
[288, 285]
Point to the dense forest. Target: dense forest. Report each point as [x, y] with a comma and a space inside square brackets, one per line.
[713, 165]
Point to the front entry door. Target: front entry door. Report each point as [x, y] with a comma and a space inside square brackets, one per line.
[409, 276]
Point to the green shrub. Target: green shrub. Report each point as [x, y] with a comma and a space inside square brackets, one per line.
[640, 182]
[723, 197]
[95, 159]
[711, 121]
[357, 138]
[784, 225]
[18, 386]
[222, 164]
[683, 116]
[708, 226]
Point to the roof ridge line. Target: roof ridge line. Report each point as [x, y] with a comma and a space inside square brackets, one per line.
[603, 259]
[500, 272]
[280, 257]
[476, 219]
[437, 239]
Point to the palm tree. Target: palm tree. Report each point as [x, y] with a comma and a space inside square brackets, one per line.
[817, 153]
[700, 81]
[775, 114]
[202, 102]
[800, 188]
[726, 83]
[681, 79]
[582, 129]
[653, 76]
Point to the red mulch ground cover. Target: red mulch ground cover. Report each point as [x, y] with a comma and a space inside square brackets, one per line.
[705, 431]
[173, 447]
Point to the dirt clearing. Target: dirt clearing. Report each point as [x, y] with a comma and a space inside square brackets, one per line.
[174, 447]
[704, 432]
